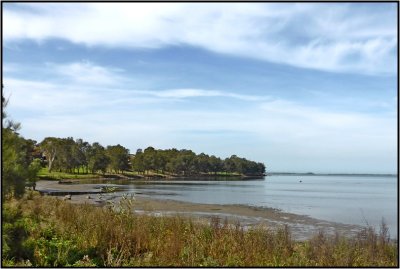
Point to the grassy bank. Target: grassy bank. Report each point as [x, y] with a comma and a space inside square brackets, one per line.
[56, 175]
[45, 231]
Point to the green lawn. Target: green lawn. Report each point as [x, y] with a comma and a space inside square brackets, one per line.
[55, 175]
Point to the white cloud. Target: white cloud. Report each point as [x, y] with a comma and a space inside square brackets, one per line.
[86, 72]
[74, 83]
[188, 93]
[334, 37]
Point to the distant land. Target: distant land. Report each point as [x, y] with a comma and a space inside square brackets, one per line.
[328, 174]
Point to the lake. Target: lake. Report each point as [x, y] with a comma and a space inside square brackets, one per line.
[346, 199]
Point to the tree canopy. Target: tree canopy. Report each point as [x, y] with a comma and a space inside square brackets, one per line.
[186, 162]
[69, 155]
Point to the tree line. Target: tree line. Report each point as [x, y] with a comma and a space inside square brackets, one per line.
[78, 156]
[186, 162]
[23, 158]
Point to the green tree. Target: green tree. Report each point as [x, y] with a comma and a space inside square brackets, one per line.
[14, 166]
[50, 147]
[215, 164]
[137, 161]
[119, 158]
[184, 162]
[232, 164]
[79, 150]
[65, 160]
[33, 170]
[202, 163]
[16, 158]
[98, 159]
[149, 159]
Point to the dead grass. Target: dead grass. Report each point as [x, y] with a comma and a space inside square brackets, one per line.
[52, 232]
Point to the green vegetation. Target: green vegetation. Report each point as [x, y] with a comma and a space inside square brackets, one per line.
[187, 163]
[49, 232]
[66, 158]
[19, 166]
[75, 157]
[56, 175]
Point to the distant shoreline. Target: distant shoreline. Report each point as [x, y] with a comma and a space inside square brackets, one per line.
[328, 174]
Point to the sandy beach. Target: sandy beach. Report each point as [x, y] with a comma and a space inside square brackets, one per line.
[301, 226]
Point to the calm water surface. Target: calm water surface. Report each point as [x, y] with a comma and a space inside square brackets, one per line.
[346, 199]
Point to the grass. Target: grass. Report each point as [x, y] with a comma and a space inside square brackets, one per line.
[48, 232]
[56, 175]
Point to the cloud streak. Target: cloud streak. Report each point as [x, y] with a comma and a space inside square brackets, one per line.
[332, 37]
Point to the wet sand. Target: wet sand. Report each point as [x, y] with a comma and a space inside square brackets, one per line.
[302, 227]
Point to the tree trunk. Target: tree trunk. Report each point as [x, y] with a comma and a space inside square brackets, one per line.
[51, 160]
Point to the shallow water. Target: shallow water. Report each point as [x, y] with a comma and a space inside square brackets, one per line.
[356, 200]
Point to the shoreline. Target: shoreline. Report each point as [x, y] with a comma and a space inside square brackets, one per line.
[78, 177]
[302, 226]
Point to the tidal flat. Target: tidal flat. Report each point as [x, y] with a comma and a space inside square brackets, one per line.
[302, 226]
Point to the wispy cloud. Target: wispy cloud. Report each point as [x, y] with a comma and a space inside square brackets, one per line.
[334, 37]
[270, 119]
[86, 72]
[183, 96]
[189, 93]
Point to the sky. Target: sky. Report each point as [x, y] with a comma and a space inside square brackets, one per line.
[302, 87]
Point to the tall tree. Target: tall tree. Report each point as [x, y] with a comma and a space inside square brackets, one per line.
[50, 147]
[202, 163]
[137, 161]
[79, 154]
[119, 158]
[65, 160]
[149, 158]
[98, 159]
[14, 166]
[16, 158]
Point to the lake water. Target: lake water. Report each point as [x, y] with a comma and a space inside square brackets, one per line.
[346, 199]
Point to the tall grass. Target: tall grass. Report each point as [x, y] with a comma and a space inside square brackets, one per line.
[45, 231]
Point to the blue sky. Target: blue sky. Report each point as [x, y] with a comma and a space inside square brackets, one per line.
[301, 87]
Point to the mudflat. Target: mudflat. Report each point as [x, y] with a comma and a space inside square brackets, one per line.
[302, 226]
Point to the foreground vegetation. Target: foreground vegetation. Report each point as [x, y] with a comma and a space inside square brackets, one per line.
[45, 231]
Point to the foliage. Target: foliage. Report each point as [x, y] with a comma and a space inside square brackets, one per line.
[17, 156]
[119, 158]
[97, 158]
[186, 162]
[50, 146]
[67, 155]
[45, 231]
[33, 169]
